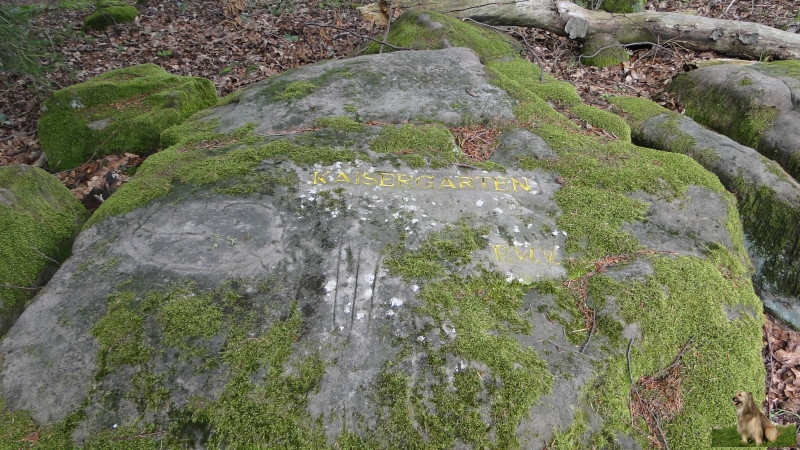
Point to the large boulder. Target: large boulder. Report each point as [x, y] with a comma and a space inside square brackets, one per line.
[317, 264]
[769, 198]
[38, 220]
[753, 104]
[124, 110]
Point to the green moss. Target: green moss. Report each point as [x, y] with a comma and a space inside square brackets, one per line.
[603, 119]
[739, 117]
[110, 14]
[602, 50]
[789, 68]
[264, 400]
[39, 218]
[417, 145]
[637, 110]
[622, 6]
[199, 156]
[774, 226]
[295, 90]
[411, 31]
[572, 437]
[129, 108]
[670, 296]
[484, 312]
[770, 223]
[120, 335]
[447, 249]
[184, 316]
[262, 405]
[543, 85]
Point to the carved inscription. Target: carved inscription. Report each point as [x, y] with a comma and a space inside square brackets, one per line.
[432, 182]
[522, 254]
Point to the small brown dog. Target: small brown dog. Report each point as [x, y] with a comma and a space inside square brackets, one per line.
[752, 423]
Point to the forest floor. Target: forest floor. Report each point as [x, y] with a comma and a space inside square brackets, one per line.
[194, 38]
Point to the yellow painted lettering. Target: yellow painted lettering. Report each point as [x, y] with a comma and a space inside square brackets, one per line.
[447, 182]
[428, 184]
[500, 251]
[465, 182]
[403, 179]
[498, 182]
[551, 257]
[318, 178]
[386, 178]
[368, 179]
[515, 182]
[483, 181]
[342, 178]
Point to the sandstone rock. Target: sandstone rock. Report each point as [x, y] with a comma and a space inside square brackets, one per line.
[316, 264]
[39, 219]
[769, 198]
[123, 110]
[754, 105]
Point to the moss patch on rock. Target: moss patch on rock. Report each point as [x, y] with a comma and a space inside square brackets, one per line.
[742, 121]
[39, 218]
[482, 313]
[109, 13]
[199, 156]
[602, 172]
[602, 50]
[123, 110]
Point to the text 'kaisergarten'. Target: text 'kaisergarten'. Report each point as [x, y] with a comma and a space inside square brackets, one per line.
[431, 182]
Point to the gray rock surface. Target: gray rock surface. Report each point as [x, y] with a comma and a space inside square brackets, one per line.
[277, 280]
[770, 200]
[756, 105]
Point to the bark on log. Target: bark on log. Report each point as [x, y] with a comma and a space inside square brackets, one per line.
[730, 37]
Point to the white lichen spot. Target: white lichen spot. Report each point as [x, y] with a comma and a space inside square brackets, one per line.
[330, 286]
[390, 313]
[516, 228]
[509, 277]
[555, 233]
[479, 203]
[415, 288]
[360, 315]
[498, 211]
[394, 302]
[420, 338]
